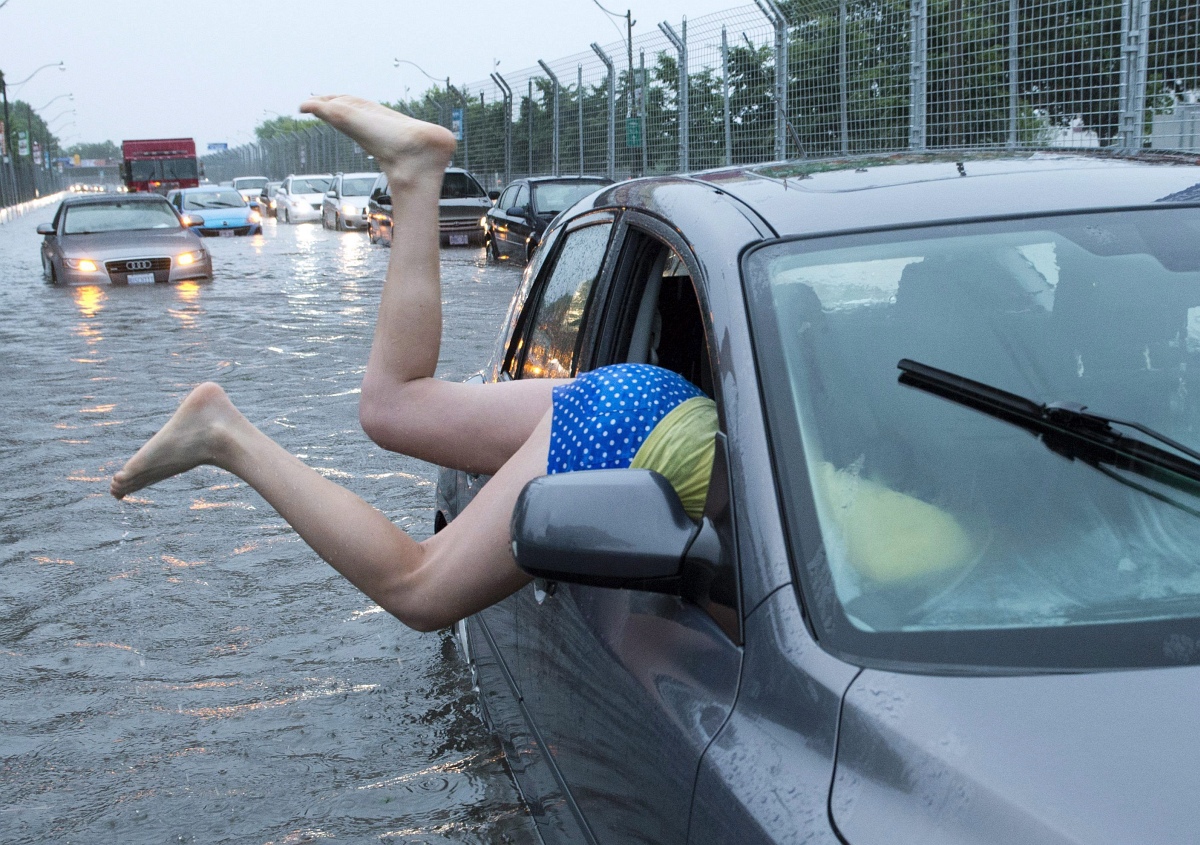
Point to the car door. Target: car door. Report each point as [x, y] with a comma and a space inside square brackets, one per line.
[498, 220]
[625, 689]
[518, 227]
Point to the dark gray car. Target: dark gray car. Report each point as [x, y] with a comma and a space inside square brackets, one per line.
[932, 598]
[124, 239]
[514, 227]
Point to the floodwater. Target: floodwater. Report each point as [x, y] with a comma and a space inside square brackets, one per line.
[179, 667]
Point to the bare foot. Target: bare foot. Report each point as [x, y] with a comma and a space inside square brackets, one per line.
[405, 148]
[190, 438]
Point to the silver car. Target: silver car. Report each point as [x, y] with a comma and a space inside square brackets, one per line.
[121, 239]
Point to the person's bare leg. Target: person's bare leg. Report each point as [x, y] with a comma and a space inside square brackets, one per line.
[403, 407]
[428, 585]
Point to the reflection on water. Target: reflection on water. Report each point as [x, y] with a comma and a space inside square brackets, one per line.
[179, 667]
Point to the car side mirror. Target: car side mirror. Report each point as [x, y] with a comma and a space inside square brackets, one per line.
[621, 528]
[45, 229]
[493, 195]
[515, 211]
[332, 194]
[192, 220]
[384, 199]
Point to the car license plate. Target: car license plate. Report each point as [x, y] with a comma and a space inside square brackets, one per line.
[228, 233]
[140, 278]
[459, 239]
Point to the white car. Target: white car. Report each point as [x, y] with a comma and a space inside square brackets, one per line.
[299, 197]
[345, 203]
[250, 187]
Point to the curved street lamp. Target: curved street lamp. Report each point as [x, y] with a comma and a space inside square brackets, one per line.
[59, 65]
[57, 116]
[56, 99]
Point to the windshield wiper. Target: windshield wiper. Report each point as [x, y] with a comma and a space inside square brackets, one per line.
[1066, 429]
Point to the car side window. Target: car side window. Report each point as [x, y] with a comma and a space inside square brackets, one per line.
[506, 199]
[522, 199]
[550, 342]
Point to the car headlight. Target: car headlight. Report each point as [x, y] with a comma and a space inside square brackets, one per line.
[483, 222]
[186, 258]
[254, 217]
[349, 209]
[273, 204]
[83, 265]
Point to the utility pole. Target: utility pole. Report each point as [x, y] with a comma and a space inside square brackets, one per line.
[8, 147]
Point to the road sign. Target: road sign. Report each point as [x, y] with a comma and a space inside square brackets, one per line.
[633, 132]
[22, 143]
[217, 147]
[456, 123]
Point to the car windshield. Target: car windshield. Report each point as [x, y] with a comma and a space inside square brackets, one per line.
[551, 198]
[461, 186]
[949, 517]
[315, 185]
[163, 170]
[118, 217]
[213, 199]
[357, 187]
[247, 183]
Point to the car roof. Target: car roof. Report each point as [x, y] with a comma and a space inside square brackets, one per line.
[200, 188]
[539, 180]
[108, 198]
[827, 196]
[361, 174]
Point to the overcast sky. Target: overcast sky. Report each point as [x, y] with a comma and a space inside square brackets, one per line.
[214, 70]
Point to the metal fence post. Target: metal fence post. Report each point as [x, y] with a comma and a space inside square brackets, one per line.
[579, 103]
[843, 78]
[555, 131]
[612, 111]
[506, 93]
[680, 44]
[529, 172]
[1135, 48]
[918, 79]
[645, 114]
[780, 24]
[1013, 68]
[725, 97]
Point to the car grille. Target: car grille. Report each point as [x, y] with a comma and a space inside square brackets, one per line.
[237, 230]
[466, 224]
[126, 266]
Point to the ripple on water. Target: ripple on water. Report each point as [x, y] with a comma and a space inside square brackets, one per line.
[179, 667]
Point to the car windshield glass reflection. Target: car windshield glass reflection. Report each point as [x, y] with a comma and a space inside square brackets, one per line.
[935, 517]
[357, 187]
[460, 186]
[310, 186]
[118, 217]
[213, 199]
[551, 198]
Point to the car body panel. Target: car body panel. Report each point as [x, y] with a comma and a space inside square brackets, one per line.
[379, 212]
[1099, 758]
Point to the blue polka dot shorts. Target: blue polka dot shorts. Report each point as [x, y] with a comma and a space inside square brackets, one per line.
[601, 419]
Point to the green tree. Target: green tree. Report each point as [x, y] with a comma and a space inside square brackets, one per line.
[282, 125]
[94, 150]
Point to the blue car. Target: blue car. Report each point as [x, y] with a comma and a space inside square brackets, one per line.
[223, 211]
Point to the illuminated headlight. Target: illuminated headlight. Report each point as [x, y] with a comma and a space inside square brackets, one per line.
[483, 222]
[254, 217]
[273, 204]
[186, 258]
[349, 209]
[83, 265]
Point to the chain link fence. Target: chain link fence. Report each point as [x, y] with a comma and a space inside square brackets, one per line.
[789, 79]
[21, 180]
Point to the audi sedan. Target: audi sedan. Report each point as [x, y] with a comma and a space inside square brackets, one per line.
[946, 586]
[121, 239]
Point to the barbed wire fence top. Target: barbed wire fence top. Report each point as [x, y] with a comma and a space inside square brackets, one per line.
[794, 79]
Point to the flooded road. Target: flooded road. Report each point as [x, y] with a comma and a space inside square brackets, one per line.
[179, 667]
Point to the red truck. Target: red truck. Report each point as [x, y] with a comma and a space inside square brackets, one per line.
[159, 164]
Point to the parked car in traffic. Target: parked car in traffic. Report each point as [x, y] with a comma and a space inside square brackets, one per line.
[514, 226]
[379, 212]
[250, 187]
[345, 203]
[266, 199]
[299, 198]
[464, 202]
[222, 212]
[121, 239]
[946, 586]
